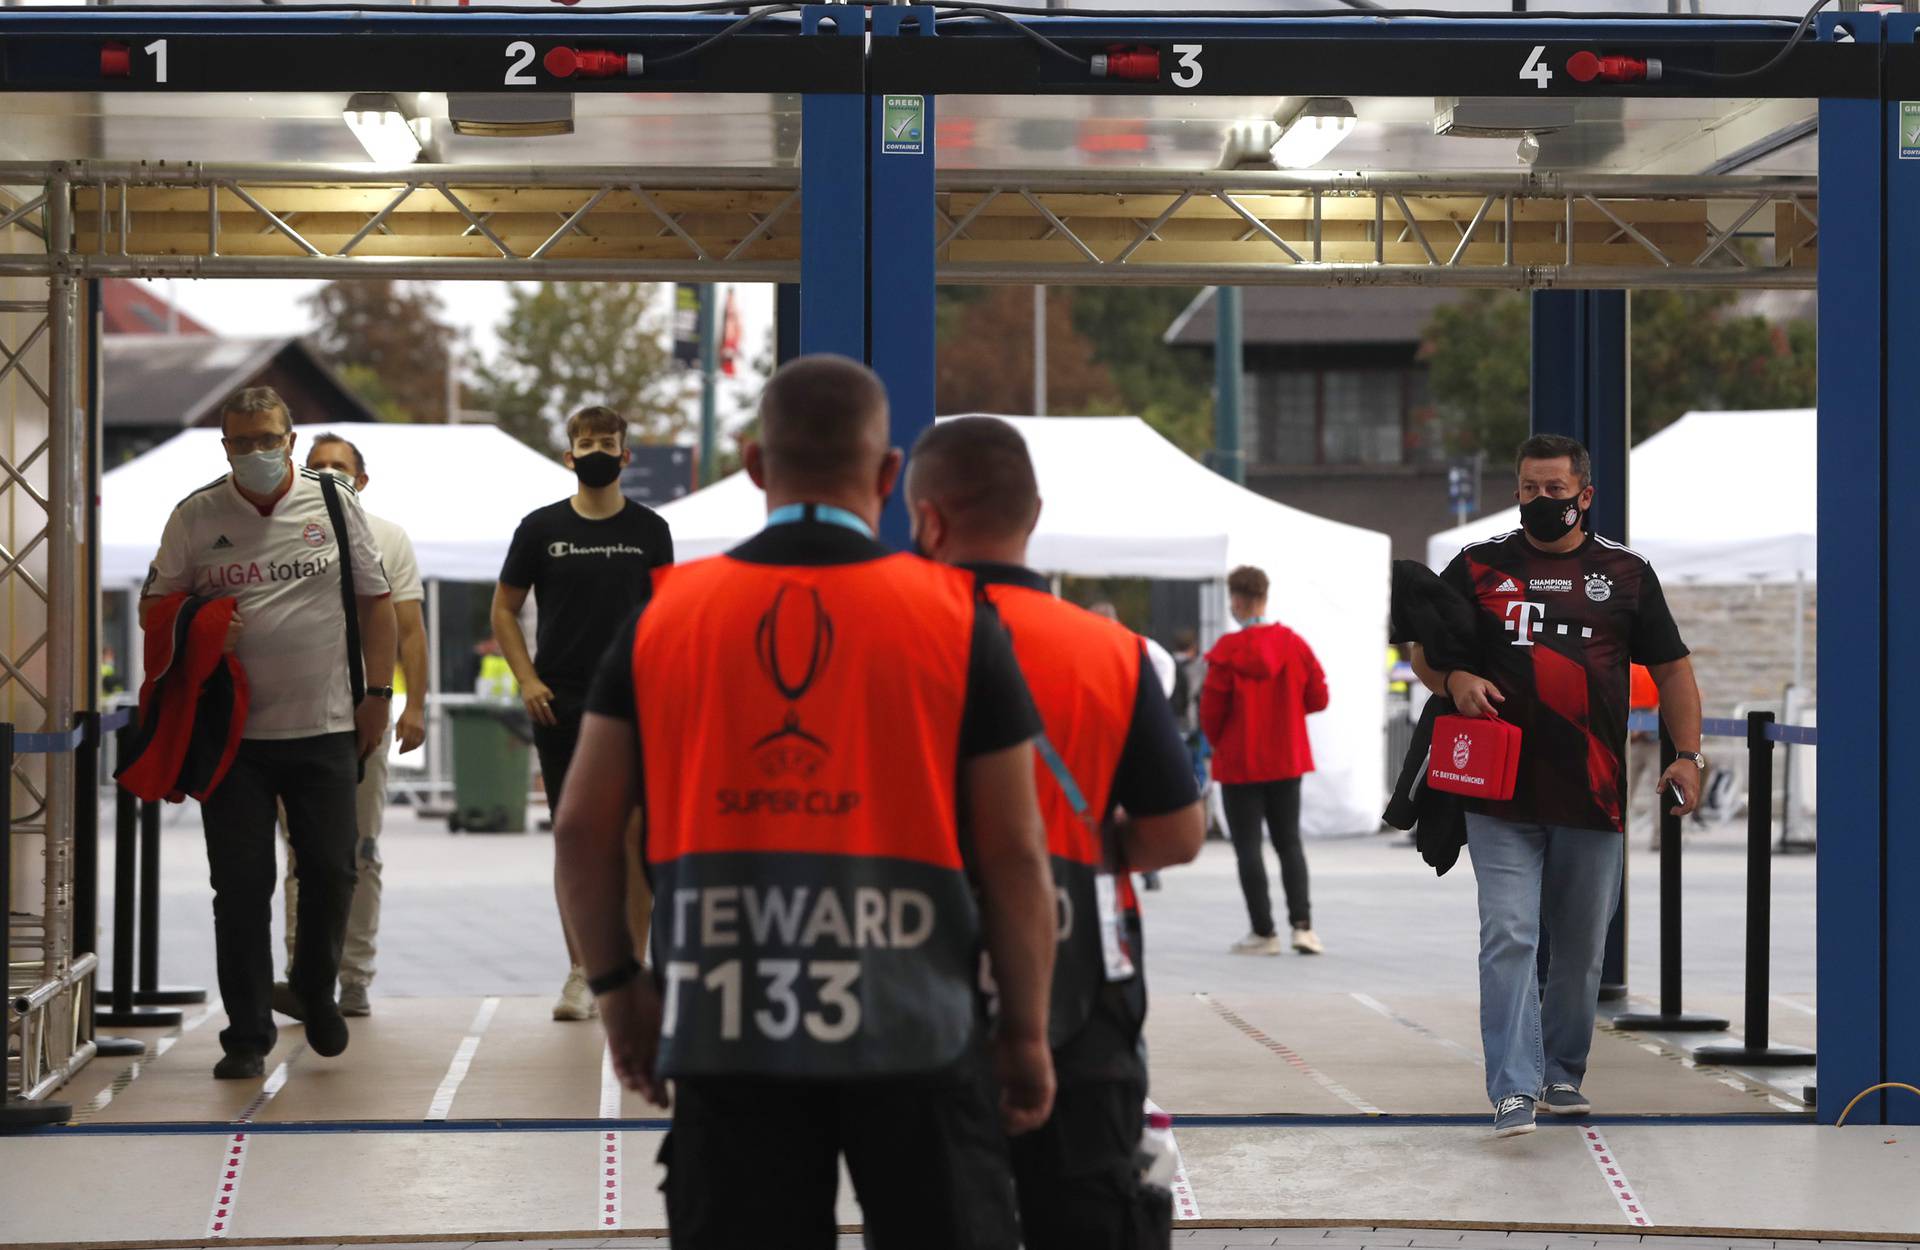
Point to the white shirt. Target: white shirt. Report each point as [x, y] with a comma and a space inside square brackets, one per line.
[396, 553]
[1163, 666]
[280, 568]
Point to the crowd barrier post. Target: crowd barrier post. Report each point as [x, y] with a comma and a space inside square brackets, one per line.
[1755, 1052]
[122, 1012]
[151, 993]
[1671, 1016]
[15, 1113]
[86, 869]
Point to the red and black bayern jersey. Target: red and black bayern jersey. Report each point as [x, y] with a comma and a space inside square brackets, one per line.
[1557, 634]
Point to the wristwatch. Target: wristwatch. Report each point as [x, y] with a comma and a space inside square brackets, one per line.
[1698, 760]
[380, 692]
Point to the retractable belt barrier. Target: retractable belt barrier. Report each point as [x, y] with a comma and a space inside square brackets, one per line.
[1760, 732]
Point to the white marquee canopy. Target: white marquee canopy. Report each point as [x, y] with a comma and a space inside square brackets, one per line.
[1121, 501]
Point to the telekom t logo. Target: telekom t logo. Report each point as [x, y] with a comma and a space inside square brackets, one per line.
[1524, 620]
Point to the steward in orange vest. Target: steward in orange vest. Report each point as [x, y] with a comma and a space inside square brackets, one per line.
[831, 747]
[1117, 792]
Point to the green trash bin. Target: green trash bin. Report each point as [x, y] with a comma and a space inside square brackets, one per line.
[491, 772]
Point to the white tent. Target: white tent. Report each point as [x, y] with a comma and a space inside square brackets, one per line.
[457, 490]
[1121, 501]
[1716, 498]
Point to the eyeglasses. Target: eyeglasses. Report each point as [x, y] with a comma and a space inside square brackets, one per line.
[259, 442]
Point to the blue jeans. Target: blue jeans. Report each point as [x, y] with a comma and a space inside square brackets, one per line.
[1569, 881]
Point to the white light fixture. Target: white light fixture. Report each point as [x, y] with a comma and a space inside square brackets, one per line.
[1316, 130]
[389, 136]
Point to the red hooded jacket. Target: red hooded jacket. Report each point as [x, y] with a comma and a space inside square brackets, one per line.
[1261, 683]
[193, 704]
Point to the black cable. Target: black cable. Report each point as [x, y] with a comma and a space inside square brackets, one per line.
[1793, 41]
[720, 36]
[1019, 26]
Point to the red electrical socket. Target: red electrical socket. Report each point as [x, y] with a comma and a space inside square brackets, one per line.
[1127, 63]
[1586, 67]
[116, 61]
[578, 63]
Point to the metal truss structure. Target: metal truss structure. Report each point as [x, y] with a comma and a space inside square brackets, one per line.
[49, 1006]
[651, 224]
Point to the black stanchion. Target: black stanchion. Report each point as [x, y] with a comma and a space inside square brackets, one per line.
[151, 993]
[1756, 1052]
[121, 1012]
[1670, 1016]
[15, 1113]
[86, 867]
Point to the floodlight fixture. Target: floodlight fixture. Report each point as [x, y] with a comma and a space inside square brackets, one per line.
[1311, 134]
[389, 136]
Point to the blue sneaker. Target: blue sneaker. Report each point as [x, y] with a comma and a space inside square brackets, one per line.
[1566, 1099]
[1513, 1116]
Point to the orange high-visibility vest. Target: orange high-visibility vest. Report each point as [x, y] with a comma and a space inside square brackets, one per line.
[1084, 673]
[800, 737]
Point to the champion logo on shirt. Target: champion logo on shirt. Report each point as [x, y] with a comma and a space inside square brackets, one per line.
[1507, 588]
[561, 549]
[223, 543]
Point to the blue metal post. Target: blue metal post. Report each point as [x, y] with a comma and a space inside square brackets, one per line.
[900, 247]
[1900, 901]
[1229, 370]
[1579, 389]
[833, 198]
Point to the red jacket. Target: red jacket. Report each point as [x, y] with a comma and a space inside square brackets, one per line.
[193, 705]
[1261, 684]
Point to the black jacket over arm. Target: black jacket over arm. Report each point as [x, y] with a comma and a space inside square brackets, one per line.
[1427, 611]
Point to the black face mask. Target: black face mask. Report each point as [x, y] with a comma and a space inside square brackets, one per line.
[1550, 520]
[596, 469]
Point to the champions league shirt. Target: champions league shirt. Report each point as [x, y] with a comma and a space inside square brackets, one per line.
[1557, 634]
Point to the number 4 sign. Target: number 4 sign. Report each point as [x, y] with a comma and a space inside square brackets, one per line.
[1536, 67]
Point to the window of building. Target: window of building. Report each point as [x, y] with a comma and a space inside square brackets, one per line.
[1336, 416]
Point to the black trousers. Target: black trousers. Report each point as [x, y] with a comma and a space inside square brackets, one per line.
[1277, 804]
[555, 744]
[1079, 1178]
[755, 1162]
[316, 780]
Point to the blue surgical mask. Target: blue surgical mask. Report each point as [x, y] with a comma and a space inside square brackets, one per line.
[260, 471]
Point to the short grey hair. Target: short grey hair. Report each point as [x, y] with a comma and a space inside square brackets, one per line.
[249, 399]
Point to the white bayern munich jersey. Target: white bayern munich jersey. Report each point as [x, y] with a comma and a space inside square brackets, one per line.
[282, 569]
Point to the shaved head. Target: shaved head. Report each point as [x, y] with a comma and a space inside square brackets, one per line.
[823, 424]
[977, 472]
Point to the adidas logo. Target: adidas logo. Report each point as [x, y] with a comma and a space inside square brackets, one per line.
[223, 543]
[1505, 588]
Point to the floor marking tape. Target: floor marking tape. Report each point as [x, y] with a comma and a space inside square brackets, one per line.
[226, 1190]
[1185, 1205]
[161, 1045]
[1745, 1083]
[1373, 1004]
[609, 1215]
[1292, 1057]
[462, 1060]
[1616, 1177]
[1794, 1004]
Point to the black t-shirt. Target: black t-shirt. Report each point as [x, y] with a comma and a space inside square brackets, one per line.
[587, 576]
[1557, 634]
[998, 711]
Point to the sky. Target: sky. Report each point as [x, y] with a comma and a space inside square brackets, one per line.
[270, 307]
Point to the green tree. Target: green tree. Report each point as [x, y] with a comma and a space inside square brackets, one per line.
[564, 345]
[389, 344]
[1690, 350]
[1169, 388]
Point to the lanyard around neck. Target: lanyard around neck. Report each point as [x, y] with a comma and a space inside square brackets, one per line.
[794, 513]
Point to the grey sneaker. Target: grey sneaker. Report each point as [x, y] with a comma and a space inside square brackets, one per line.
[1513, 1116]
[1254, 944]
[1565, 1099]
[353, 999]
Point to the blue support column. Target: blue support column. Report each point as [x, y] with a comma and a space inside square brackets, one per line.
[900, 247]
[1900, 901]
[1579, 390]
[833, 204]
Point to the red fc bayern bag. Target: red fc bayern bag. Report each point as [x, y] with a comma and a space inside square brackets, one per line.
[1478, 757]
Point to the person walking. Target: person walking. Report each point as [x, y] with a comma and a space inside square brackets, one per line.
[1116, 790]
[277, 539]
[588, 561]
[331, 453]
[1561, 613]
[832, 745]
[1262, 683]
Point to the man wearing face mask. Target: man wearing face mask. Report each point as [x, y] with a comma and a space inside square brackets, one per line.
[589, 562]
[264, 536]
[1562, 612]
